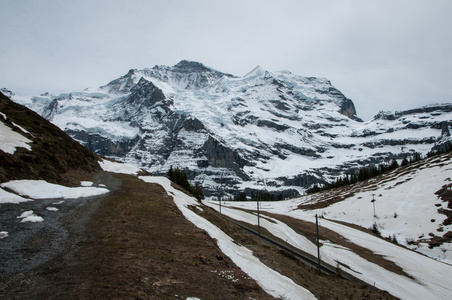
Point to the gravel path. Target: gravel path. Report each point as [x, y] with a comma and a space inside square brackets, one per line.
[31, 247]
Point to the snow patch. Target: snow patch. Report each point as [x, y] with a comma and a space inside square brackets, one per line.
[11, 140]
[29, 216]
[7, 197]
[117, 167]
[40, 189]
[51, 208]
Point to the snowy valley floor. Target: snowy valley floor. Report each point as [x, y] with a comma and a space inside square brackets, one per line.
[144, 241]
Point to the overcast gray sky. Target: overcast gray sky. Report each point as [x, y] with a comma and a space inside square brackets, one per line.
[383, 54]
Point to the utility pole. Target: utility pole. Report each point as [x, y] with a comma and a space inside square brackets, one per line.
[258, 205]
[258, 219]
[373, 202]
[318, 242]
[220, 190]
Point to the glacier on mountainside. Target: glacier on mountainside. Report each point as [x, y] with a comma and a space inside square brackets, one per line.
[266, 130]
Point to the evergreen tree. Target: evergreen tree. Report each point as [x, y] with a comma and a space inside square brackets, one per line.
[240, 197]
[394, 165]
[405, 162]
[180, 177]
[197, 191]
[170, 173]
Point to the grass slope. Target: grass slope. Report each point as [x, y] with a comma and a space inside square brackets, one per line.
[55, 157]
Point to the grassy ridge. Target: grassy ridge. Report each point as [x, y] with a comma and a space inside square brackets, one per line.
[55, 157]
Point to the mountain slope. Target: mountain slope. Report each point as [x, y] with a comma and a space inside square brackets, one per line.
[48, 154]
[278, 131]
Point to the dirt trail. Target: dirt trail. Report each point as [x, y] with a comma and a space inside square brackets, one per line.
[132, 243]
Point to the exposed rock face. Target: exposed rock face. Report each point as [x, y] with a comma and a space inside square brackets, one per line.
[348, 109]
[220, 156]
[101, 145]
[444, 142]
[275, 130]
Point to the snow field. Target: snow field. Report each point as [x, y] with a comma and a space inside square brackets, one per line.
[406, 208]
[40, 189]
[7, 197]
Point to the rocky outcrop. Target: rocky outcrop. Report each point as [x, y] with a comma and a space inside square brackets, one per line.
[220, 156]
[444, 142]
[50, 110]
[193, 125]
[348, 109]
[98, 144]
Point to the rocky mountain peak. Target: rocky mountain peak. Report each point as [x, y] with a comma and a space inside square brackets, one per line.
[191, 66]
[258, 71]
[289, 130]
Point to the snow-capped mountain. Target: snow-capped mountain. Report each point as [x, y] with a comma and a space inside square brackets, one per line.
[273, 130]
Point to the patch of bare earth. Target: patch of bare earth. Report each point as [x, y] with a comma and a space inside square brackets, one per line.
[445, 194]
[136, 245]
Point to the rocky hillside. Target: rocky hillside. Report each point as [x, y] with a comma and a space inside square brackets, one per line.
[46, 153]
[273, 130]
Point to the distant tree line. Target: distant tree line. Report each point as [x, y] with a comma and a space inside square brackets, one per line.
[259, 195]
[180, 177]
[363, 174]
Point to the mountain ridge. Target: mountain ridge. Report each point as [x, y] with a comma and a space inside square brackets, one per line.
[266, 130]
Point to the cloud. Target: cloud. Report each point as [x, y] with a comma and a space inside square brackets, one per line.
[386, 55]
